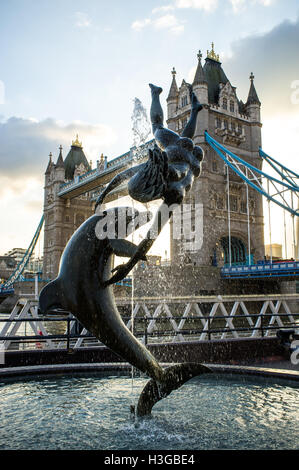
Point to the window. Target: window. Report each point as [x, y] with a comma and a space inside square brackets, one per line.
[184, 101]
[215, 166]
[240, 130]
[233, 201]
[233, 126]
[232, 106]
[225, 123]
[184, 122]
[224, 103]
[251, 205]
[218, 123]
[243, 208]
[220, 202]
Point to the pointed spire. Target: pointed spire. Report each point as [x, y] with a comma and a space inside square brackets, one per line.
[199, 74]
[59, 163]
[252, 96]
[50, 164]
[173, 92]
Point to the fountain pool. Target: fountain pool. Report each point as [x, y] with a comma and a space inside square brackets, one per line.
[216, 411]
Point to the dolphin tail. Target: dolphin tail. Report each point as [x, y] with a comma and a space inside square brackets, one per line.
[174, 377]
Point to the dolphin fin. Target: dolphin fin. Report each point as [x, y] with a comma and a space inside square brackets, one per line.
[123, 248]
[175, 376]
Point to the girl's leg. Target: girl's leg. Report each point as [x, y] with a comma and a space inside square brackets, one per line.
[163, 136]
[156, 112]
[191, 124]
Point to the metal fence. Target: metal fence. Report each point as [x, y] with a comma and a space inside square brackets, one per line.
[156, 320]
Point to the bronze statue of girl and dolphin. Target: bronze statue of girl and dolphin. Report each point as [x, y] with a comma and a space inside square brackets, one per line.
[85, 279]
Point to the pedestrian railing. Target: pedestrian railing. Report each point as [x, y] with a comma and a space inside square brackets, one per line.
[156, 320]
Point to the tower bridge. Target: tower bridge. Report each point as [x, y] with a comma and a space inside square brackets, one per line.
[230, 189]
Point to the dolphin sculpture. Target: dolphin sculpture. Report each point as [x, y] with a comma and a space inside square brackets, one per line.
[81, 288]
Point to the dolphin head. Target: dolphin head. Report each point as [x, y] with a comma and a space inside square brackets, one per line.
[51, 298]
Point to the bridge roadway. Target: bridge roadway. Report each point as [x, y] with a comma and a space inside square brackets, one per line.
[95, 179]
[283, 269]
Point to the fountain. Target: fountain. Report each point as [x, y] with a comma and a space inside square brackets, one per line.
[91, 410]
[84, 282]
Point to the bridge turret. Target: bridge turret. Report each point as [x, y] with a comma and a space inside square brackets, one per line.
[75, 158]
[253, 109]
[62, 216]
[172, 101]
[200, 84]
[253, 104]
[50, 166]
[59, 167]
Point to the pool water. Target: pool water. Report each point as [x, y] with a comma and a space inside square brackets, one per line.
[92, 412]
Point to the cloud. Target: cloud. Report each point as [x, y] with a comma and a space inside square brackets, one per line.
[21, 206]
[138, 25]
[26, 143]
[206, 5]
[272, 58]
[241, 5]
[82, 20]
[25, 146]
[238, 5]
[211, 5]
[265, 3]
[163, 9]
[168, 22]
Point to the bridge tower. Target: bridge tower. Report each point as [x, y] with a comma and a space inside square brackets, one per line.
[62, 216]
[228, 235]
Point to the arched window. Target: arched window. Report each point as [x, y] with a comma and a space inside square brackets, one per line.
[236, 247]
[232, 106]
[184, 101]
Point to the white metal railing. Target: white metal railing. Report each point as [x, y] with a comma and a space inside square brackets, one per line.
[160, 320]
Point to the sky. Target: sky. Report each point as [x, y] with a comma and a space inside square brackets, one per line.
[74, 66]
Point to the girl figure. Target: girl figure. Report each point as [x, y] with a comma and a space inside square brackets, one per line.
[168, 174]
